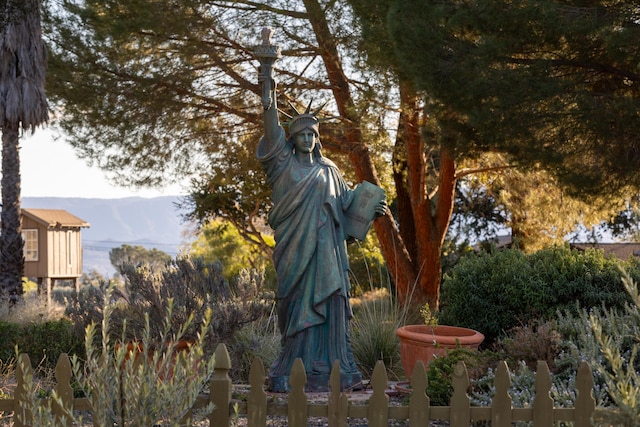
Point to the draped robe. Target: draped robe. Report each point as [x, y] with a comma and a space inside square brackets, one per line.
[311, 264]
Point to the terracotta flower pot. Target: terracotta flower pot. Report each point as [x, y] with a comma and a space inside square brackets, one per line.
[136, 349]
[422, 342]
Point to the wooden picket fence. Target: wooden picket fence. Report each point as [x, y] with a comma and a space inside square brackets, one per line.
[296, 409]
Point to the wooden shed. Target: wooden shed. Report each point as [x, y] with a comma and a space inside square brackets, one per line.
[52, 246]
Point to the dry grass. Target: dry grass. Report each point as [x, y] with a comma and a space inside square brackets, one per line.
[32, 308]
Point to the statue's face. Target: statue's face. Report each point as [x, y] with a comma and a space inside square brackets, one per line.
[305, 141]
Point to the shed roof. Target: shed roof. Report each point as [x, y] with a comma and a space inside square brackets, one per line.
[54, 217]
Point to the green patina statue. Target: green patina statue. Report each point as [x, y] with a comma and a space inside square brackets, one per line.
[310, 216]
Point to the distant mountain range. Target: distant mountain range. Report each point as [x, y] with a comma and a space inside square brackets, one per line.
[152, 223]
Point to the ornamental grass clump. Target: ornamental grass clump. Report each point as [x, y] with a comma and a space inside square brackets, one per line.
[376, 317]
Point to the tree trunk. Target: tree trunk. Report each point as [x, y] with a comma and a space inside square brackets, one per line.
[413, 251]
[11, 243]
[392, 245]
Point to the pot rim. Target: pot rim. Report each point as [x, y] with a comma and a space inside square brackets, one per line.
[442, 334]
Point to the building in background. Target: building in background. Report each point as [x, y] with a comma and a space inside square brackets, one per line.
[52, 247]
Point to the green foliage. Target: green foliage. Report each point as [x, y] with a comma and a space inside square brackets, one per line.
[93, 278]
[526, 201]
[43, 342]
[607, 338]
[559, 343]
[536, 341]
[457, 246]
[440, 373]
[522, 388]
[38, 329]
[9, 333]
[541, 80]
[48, 340]
[85, 308]
[220, 241]
[145, 384]
[136, 255]
[376, 317]
[367, 269]
[191, 285]
[620, 348]
[494, 292]
[260, 338]
[28, 285]
[429, 318]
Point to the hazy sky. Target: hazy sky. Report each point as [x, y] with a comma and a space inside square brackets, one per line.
[50, 168]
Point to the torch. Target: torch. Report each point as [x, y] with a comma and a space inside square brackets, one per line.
[267, 53]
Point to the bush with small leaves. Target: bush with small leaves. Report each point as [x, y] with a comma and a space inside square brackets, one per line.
[42, 341]
[538, 340]
[144, 384]
[619, 343]
[440, 373]
[494, 292]
[522, 388]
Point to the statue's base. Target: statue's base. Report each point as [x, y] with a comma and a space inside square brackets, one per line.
[316, 383]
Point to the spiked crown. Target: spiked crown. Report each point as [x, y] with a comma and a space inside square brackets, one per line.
[297, 121]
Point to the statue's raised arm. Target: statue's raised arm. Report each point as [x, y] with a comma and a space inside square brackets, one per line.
[267, 53]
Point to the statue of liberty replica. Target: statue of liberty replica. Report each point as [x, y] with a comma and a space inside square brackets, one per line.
[312, 210]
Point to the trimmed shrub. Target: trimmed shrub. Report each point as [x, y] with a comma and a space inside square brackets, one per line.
[440, 373]
[9, 333]
[497, 291]
[43, 342]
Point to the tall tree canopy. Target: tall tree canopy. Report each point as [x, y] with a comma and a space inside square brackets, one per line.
[551, 82]
[155, 89]
[137, 254]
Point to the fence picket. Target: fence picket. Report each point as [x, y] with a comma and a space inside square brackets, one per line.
[460, 415]
[543, 403]
[63, 390]
[338, 403]
[419, 401]
[378, 410]
[297, 406]
[585, 403]
[24, 370]
[501, 403]
[257, 398]
[220, 388]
